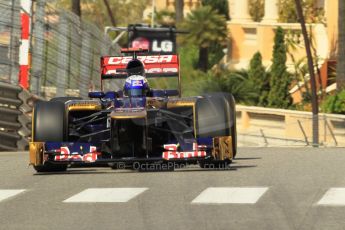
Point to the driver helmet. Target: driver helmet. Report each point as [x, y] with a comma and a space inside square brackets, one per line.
[135, 67]
[136, 86]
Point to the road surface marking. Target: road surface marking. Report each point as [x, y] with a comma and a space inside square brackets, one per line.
[7, 193]
[230, 195]
[106, 195]
[333, 197]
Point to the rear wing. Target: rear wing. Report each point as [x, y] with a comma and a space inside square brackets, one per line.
[114, 67]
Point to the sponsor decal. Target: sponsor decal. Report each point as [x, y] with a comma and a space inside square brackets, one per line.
[153, 64]
[137, 83]
[64, 151]
[144, 59]
[164, 46]
[65, 155]
[141, 42]
[147, 70]
[172, 153]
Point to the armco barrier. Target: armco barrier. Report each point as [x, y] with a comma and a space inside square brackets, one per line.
[274, 127]
[15, 117]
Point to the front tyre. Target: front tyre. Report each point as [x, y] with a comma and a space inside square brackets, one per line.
[216, 116]
[49, 125]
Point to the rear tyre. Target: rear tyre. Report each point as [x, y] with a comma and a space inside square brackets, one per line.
[233, 130]
[230, 113]
[211, 115]
[49, 125]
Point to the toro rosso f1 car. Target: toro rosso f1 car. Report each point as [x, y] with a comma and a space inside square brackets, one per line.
[134, 125]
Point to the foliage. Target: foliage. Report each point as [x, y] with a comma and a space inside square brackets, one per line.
[234, 82]
[125, 11]
[205, 27]
[312, 14]
[215, 54]
[256, 9]
[335, 103]
[195, 82]
[188, 58]
[189, 76]
[219, 5]
[162, 18]
[216, 49]
[279, 96]
[198, 83]
[260, 79]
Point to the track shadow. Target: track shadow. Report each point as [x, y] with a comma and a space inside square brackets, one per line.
[242, 167]
[75, 172]
[100, 170]
[247, 158]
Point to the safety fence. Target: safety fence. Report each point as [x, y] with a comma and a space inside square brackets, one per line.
[10, 30]
[64, 59]
[277, 127]
[15, 117]
[65, 53]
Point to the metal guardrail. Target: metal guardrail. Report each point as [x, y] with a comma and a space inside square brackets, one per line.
[15, 117]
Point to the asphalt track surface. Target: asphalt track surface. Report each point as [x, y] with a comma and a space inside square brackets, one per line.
[265, 188]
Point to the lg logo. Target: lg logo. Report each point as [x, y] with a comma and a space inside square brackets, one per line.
[164, 46]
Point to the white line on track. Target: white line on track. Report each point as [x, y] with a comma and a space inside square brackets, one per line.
[333, 197]
[7, 193]
[105, 195]
[230, 195]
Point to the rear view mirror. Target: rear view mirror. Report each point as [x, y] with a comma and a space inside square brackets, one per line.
[96, 94]
[171, 92]
[164, 93]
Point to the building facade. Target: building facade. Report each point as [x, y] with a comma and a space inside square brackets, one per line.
[169, 5]
[247, 37]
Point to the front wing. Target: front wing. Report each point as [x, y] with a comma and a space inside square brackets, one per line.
[217, 148]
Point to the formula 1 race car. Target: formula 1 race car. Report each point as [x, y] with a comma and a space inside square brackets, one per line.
[136, 125]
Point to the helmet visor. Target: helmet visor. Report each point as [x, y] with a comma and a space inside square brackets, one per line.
[136, 92]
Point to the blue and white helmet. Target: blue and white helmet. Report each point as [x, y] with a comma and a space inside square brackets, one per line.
[136, 86]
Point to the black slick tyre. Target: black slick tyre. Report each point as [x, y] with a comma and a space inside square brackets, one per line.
[49, 125]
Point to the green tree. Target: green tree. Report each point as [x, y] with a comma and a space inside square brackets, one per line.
[216, 50]
[162, 18]
[256, 9]
[287, 11]
[95, 11]
[205, 27]
[335, 103]
[220, 5]
[258, 76]
[279, 96]
[234, 82]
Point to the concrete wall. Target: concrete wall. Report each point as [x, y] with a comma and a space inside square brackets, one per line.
[288, 126]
